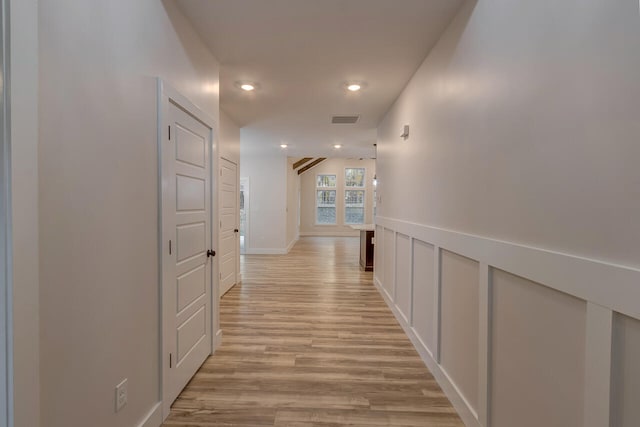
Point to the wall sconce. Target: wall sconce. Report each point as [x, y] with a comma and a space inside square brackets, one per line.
[405, 132]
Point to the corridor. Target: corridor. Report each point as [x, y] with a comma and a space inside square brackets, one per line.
[308, 341]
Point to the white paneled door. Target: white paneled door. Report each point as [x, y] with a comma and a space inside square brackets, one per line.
[229, 217]
[187, 266]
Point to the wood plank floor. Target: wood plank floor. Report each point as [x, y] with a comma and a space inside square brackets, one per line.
[308, 341]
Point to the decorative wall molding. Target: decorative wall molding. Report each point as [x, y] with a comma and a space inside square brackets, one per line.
[613, 286]
[606, 289]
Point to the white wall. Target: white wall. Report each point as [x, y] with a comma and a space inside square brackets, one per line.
[24, 176]
[521, 160]
[229, 139]
[98, 198]
[293, 191]
[308, 226]
[265, 167]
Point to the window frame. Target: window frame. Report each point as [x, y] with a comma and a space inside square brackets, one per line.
[326, 188]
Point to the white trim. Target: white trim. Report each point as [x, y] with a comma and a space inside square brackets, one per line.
[597, 379]
[153, 418]
[292, 244]
[573, 275]
[449, 388]
[217, 340]
[329, 234]
[167, 95]
[484, 345]
[437, 306]
[265, 251]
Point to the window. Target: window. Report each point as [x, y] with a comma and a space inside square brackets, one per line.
[326, 199]
[354, 199]
[354, 177]
[354, 206]
[326, 181]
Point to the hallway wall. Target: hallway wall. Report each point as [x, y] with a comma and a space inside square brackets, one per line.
[265, 167]
[507, 225]
[99, 199]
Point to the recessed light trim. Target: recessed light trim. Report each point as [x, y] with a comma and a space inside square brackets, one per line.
[247, 86]
[337, 146]
[283, 145]
[352, 86]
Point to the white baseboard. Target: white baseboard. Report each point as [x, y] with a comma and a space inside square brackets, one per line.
[291, 244]
[266, 251]
[353, 233]
[153, 418]
[457, 400]
[217, 340]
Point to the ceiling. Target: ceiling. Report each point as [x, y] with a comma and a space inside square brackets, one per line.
[301, 52]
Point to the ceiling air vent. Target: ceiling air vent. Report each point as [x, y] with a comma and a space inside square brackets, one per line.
[344, 120]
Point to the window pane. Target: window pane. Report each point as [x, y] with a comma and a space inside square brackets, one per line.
[326, 181]
[326, 198]
[326, 215]
[354, 206]
[326, 206]
[354, 215]
[354, 177]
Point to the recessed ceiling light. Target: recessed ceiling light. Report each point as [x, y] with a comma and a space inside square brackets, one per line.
[354, 86]
[247, 86]
[337, 146]
[283, 145]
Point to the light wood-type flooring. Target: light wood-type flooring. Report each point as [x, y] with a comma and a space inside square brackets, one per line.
[308, 341]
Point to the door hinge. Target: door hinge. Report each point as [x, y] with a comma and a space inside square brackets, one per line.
[169, 247]
[170, 360]
[169, 132]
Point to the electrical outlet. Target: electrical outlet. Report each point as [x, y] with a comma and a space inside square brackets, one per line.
[121, 395]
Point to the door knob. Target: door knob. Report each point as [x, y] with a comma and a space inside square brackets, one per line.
[235, 231]
[211, 253]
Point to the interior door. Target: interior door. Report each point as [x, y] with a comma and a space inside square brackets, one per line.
[187, 280]
[229, 217]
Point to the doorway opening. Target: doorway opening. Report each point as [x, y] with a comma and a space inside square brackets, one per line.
[244, 213]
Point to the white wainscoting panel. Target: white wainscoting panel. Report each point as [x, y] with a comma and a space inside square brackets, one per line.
[625, 408]
[403, 276]
[424, 294]
[515, 335]
[389, 264]
[459, 323]
[538, 341]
